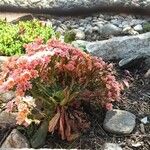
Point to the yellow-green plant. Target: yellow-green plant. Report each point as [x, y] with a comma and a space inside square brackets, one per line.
[13, 36]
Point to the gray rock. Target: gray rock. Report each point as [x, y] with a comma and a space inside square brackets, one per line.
[125, 23]
[5, 97]
[138, 27]
[116, 21]
[35, 1]
[119, 122]
[7, 119]
[79, 34]
[95, 28]
[111, 146]
[121, 47]
[15, 140]
[110, 29]
[130, 60]
[60, 30]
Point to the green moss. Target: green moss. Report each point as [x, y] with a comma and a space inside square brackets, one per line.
[146, 27]
[69, 36]
[13, 36]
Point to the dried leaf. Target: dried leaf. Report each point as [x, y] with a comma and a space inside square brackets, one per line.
[62, 125]
[53, 122]
[126, 83]
[68, 128]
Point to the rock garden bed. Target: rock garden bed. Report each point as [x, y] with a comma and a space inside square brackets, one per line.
[126, 126]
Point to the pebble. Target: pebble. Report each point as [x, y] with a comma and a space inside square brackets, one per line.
[5, 97]
[79, 34]
[144, 120]
[15, 140]
[7, 119]
[104, 25]
[119, 122]
[138, 27]
[111, 29]
[111, 146]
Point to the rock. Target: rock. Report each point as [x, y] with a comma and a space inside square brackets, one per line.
[144, 120]
[147, 74]
[3, 59]
[79, 34]
[79, 43]
[7, 119]
[121, 47]
[111, 146]
[60, 30]
[110, 29]
[119, 122]
[35, 1]
[15, 140]
[95, 28]
[116, 21]
[131, 61]
[138, 144]
[138, 27]
[5, 97]
[125, 23]
[127, 29]
[142, 128]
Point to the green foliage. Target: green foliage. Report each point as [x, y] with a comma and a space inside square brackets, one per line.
[146, 27]
[13, 36]
[69, 36]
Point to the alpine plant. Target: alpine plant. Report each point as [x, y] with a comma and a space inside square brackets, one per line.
[51, 80]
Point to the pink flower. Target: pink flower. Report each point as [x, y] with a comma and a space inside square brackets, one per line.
[109, 106]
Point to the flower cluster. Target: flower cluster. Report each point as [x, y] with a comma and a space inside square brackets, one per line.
[58, 77]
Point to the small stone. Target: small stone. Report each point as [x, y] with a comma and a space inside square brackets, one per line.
[79, 43]
[111, 146]
[35, 1]
[127, 29]
[119, 122]
[15, 140]
[124, 23]
[147, 74]
[116, 22]
[3, 59]
[142, 128]
[138, 27]
[60, 30]
[110, 29]
[79, 34]
[138, 144]
[7, 119]
[5, 97]
[95, 28]
[144, 120]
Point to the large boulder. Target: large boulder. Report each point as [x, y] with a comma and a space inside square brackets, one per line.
[121, 47]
